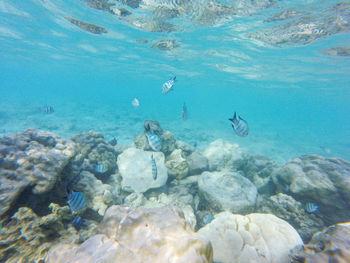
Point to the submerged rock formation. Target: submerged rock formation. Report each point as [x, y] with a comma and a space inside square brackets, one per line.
[250, 238]
[135, 168]
[323, 181]
[32, 159]
[138, 235]
[337, 51]
[95, 29]
[330, 245]
[227, 191]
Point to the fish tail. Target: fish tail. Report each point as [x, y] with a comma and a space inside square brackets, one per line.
[174, 78]
[234, 118]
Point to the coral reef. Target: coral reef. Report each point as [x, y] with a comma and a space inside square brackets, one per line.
[324, 181]
[250, 238]
[165, 44]
[28, 237]
[135, 168]
[177, 165]
[227, 191]
[32, 159]
[330, 245]
[138, 235]
[337, 51]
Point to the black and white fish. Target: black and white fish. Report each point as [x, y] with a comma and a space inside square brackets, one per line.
[168, 85]
[240, 126]
[76, 201]
[154, 168]
[154, 141]
[184, 112]
[101, 168]
[311, 207]
[113, 141]
[48, 109]
[135, 102]
[78, 222]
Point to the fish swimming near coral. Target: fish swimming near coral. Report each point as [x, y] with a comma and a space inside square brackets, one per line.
[48, 109]
[78, 222]
[168, 85]
[311, 208]
[240, 126]
[76, 201]
[154, 141]
[113, 141]
[154, 168]
[101, 168]
[135, 102]
[208, 218]
[184, 112]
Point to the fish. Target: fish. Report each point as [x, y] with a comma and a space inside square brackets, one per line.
[78, 222]
[208, 218]
[240, 126]
[48, 109]
[184, 112]
[154, 168]
[76, 201]
[135, 102]
[311, 207]
[154, 141]
[113, 141]
[168, 85]
[101, 168]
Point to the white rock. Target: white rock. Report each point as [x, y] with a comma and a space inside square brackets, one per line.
[259, 238]
[222, 154]
[135, 168]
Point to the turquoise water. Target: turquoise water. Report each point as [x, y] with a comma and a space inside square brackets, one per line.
[293, 95]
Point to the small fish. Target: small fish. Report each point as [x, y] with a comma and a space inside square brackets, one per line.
[76, 201]
[113, 142]
[101, 168]
[154, 168]
[154, 141]
[168, 85]
[240, 126]
[208, 218]
[184, 112]
[135, 102]
[311, 208]
[48, 109]
[78, 223]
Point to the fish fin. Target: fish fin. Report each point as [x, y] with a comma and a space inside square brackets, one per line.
[234, 118]
[174, 78]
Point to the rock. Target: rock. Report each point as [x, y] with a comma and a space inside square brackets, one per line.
[308, 28]
[31, 159]
[197, 163]
[103, 5]
[284, 15]
[165, 44]
[330, 245]
[250, 238]
[222, 154]
[135, 168]
[95, 29]
[227, 191]
[93, 151]
[28, 237]
[258, 170]
[177, 166]
[186, 149]
[292, 211]
[152, 126]
[337, 51]
[323, 181]
[138, 235]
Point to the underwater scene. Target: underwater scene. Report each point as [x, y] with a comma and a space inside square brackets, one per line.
[176, 131]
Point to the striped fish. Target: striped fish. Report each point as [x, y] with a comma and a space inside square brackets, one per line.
[154, 168]
[311, 208]
[184, 112]
[78, 223]
[240, 126]
[101, 168]
[168, 86]
[154, 141]
[76, 201]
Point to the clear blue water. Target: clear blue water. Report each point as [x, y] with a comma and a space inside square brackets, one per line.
[294, 97]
